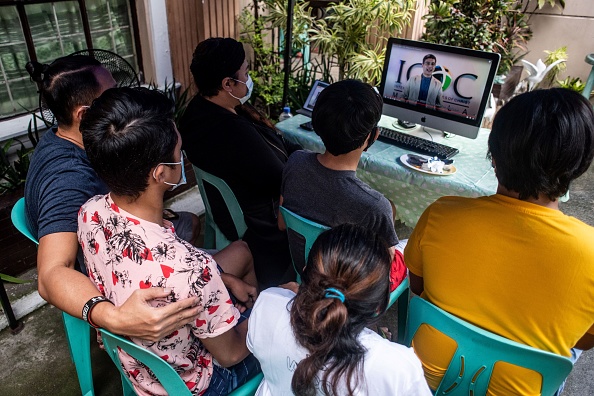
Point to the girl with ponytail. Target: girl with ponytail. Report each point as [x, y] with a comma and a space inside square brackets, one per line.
[317, 341]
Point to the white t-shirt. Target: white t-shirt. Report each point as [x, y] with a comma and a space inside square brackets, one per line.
[389, 368]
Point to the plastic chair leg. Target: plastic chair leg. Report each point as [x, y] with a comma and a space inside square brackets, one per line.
[78, 335]
[402, 315]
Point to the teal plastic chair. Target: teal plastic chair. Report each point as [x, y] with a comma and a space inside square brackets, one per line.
[19, 220]
[402, 295]
[590, 81]
[78, 332]
[213, 236]
[166, 374]
[310, 230]
[249, 388]
[478, 350]
[306, 228]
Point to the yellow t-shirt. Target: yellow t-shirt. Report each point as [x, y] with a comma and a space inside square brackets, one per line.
[516, 269]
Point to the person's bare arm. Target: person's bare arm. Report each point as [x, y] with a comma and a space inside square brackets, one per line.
[586, 342]
[59, 283]
[280, 219]
[67, 289]
[230, 347]
[239, 276]
[416, 283]
[245, 293]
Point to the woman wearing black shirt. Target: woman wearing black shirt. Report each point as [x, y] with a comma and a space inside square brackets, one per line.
[225, 136]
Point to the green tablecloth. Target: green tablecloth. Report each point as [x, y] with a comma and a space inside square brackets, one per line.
[409, 190]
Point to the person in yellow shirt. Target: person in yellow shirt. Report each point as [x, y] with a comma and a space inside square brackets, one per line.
[513, 263]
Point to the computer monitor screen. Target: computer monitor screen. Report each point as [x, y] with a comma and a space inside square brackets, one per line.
[317, 88]
[437, 86]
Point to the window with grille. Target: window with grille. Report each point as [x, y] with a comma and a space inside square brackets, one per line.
[46, 30]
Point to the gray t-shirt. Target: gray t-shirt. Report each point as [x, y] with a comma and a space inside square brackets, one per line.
[331, 197]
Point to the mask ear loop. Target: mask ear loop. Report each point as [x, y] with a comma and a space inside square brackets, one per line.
[154, 171]
[183, 172]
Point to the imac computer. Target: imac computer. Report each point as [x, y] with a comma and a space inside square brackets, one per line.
[453, 94]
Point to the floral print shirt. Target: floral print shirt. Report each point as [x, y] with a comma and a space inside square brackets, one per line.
[123, 253]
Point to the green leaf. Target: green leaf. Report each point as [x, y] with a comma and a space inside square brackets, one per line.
[12, 279]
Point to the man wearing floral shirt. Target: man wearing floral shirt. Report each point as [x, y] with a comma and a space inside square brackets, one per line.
[133, 145]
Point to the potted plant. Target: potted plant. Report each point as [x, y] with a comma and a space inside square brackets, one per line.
[496, 26]
[350, 38]
[354, 34]
[19, 252]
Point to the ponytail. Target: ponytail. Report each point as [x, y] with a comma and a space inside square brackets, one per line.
[37, 71]
[345, 285]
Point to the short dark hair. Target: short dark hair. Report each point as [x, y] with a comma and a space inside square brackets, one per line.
[345, 114]
[355, 261]
[127, 132]
[213, 60]
[66, 83]
[541, 141]
[429, 56]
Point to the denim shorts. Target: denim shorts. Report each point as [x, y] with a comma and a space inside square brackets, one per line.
[183, 226]
[226, 379]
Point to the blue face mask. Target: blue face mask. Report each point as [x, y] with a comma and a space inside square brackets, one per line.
[182, 181]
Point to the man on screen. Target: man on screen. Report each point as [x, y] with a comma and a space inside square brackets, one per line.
[424, 89]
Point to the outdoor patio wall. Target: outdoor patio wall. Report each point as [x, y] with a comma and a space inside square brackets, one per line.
[572, 26]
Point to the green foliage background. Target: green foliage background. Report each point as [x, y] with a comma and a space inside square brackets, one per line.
[349, 42]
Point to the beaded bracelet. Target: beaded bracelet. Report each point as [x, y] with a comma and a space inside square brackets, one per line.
[88, 307]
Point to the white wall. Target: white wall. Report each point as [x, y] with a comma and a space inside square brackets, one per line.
[572, 27]
[154, 38]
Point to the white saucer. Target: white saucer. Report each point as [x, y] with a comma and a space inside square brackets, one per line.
[447, 169]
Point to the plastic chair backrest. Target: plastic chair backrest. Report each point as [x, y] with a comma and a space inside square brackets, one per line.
[78, 335]
[402, 295]
[19, 220]
[308, 229]
[478, 350]
[590, 81]
[249, 388]
[213, 236]
[167, 376]
[78, 332]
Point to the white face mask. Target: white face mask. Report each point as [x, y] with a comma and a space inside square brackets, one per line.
[182, 180]
[250, 86]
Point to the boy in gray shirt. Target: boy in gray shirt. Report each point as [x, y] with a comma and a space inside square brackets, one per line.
[324, 187]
